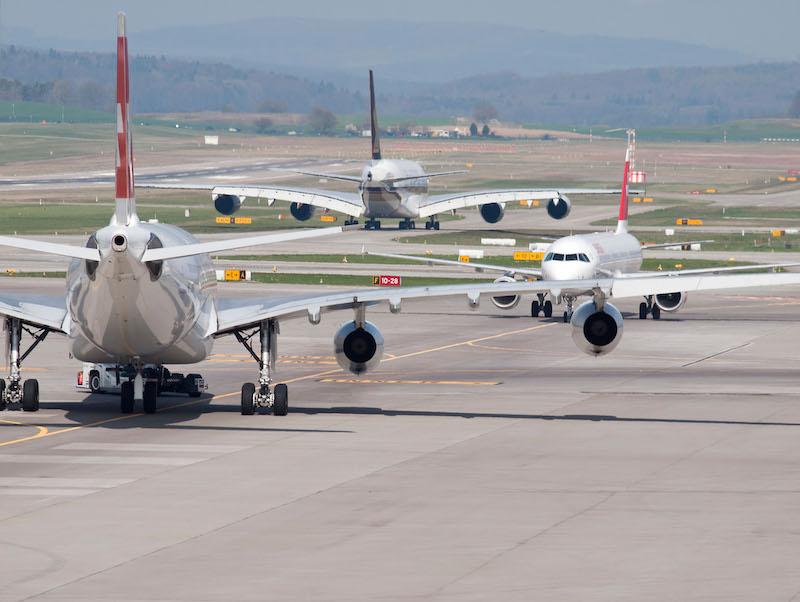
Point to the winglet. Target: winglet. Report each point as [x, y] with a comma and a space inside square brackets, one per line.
[125, 212]
[373, 120]
[622, 224]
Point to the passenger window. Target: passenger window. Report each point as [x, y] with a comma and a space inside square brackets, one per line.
[582, 257]
[572, 257]
[558, 257]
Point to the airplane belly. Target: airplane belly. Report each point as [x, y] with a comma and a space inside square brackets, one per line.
[385, 203]
[127, 317]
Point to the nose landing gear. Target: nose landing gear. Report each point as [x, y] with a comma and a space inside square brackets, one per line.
[263, 395]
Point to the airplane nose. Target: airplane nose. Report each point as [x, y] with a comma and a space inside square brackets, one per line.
[119, 243]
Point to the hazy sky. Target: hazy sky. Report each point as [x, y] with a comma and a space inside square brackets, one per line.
[762, 29]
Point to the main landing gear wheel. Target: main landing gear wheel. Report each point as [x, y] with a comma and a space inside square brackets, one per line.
[30, 395]
[126, 397]
[3, 403]
[566, 317]
[655, 311]
[248, 402]
[150, 397]
[642, 310]
[534, 309]
[547, 309]
[280, 406]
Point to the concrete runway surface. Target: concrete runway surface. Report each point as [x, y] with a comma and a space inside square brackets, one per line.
[486, 459]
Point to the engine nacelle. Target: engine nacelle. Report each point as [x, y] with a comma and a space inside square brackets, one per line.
[596, 332]
[301, 212]
[670, 301]
[492, 212]
[227, 204]
[506, 301]
[559, 208]
[358, 349]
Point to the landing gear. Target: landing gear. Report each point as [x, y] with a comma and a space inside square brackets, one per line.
[351, 222]
[432, 223]
[372, 224]
[407, 224]
[648, 307]
[150, 397]
[538, 305]
[126, 400]
[260, 395]
[15, 392]
[547, 309]
[568, 301]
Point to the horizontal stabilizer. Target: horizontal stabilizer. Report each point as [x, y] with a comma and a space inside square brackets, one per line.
[330, 176]
[238, 243]
[50, 248]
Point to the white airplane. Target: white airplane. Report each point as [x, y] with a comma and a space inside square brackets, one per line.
[387, 188]
[145, 294]
[615, 254]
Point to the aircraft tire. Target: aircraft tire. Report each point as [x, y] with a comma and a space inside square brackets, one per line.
[126, 397]
[656, 312]
[30, 395]
[547, 309]
[534, 309]
[280, 405]
[248, 404]
[642, 310]
[150, 398]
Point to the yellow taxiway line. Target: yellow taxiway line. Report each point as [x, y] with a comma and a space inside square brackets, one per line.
[43, 431]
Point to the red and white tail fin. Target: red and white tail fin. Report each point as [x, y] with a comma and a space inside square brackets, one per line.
[125, 212]
[622, 224]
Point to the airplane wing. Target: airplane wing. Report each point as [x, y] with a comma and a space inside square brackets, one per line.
[234, 314]
[667, 245]
[478, 267]
[710, 270]
[47, 311]
[349, 203]
[440, 203]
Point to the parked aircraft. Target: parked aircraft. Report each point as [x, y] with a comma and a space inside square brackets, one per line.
[142, 294]
[615, 254]
[387, 188]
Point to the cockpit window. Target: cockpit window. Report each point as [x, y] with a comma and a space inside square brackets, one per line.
[572, 257]
[583, 257]
[548, 257]
[558, 257]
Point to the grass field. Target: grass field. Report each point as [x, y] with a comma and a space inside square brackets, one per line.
[713, 215]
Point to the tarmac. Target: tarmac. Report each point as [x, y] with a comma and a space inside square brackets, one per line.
[485, 459]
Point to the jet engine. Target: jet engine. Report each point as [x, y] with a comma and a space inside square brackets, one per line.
[301, 212]
[559, 208]
[670, 301]
[594, 331]
[358, 349]
[227, 204]
[492, 212]
[506, 301]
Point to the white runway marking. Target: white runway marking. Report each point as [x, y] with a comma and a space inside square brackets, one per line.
[150, 447]
[47, 492]
[67, 459]
[75, 483]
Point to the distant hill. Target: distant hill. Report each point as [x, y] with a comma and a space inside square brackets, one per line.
[663, 96]
[338, 50]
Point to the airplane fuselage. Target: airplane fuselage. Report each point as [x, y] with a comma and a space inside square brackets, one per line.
[122, 310]
[386, 199]
[592, 256]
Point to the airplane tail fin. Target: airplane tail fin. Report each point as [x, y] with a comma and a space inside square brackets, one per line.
[622, 224]
[373, 120]
[125, 212]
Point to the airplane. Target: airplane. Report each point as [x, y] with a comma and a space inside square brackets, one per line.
[615, 254]
[387, 188]
[141, 293]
